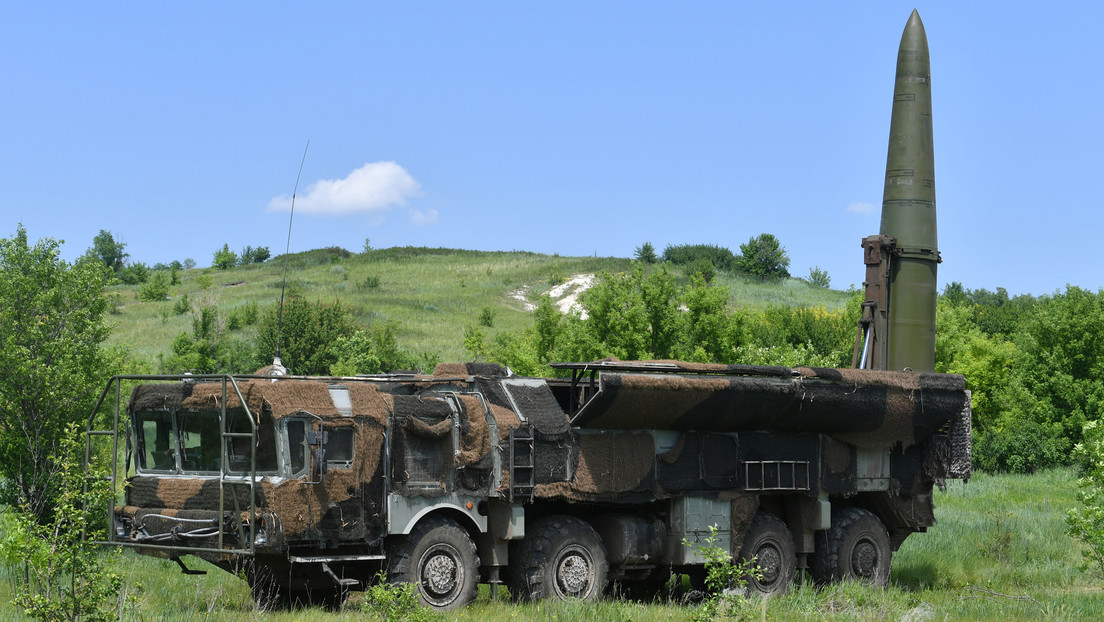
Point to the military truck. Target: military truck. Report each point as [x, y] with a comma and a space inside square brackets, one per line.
[310, 487]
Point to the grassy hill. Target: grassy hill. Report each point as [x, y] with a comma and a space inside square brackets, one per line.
[433, 294]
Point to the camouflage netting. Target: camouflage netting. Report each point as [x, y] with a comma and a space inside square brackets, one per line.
[609, 465]
[369, 402]
[208, 396]
[288, 397]
[863, 407]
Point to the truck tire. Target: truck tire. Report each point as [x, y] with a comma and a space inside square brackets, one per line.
[562, 557]
[439, 557]
[769, 540]
[856, 547]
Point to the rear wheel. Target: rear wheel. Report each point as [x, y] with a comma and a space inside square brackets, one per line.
[770, 542]
[439, 557]
[562, 557]
[856, 547]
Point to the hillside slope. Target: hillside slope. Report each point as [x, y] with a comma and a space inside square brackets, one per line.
[432, 294]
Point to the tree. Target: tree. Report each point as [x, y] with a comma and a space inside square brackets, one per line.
[225, 258]
[764, 257]
[819, 277]
[646, 253]
[309, 334]
[51, 362]
[108, 251]
[253, 255]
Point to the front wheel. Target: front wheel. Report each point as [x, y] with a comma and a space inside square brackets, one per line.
[856, 547]
[439, 557]
[562, 557]
[770, 542]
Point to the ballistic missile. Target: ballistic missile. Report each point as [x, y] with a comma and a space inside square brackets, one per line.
[908, 209]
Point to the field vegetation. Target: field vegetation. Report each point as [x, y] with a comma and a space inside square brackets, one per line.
[999, 551]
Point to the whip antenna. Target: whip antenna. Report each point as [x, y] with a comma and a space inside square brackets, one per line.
[283, 286]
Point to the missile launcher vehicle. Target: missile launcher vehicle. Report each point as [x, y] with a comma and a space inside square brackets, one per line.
[312, 487]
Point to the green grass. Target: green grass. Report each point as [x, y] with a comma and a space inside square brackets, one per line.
[433, 294]
[953, 572]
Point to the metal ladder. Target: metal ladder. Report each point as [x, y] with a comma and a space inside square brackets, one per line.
[522, 464]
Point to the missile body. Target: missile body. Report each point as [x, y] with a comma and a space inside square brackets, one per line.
[908, 209]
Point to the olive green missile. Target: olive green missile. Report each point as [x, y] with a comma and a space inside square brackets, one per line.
[908, 209]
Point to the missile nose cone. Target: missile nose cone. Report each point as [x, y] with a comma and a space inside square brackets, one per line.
[908, 203]
[908, 207]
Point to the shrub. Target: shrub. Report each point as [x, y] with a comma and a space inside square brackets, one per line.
[62, 574]
[646, 253]
[182, 306]
[725, 580]
[1086, 523]
[487, 317]
[721, 258]
[157, 288]
[135, 273]
[819, 278]
[225, 258]
[764, 257]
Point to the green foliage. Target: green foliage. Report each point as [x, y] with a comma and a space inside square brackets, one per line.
[189, 263]
[253, 255]
[135, 273]
[61, 574]
[397, 602]
[683, 254]
[819, 278]
[157, 288]
[309, 331]
[764, 257]
[725, 580]
[372, 281]
[487, 317]
[182, 306]
[225, 258]
[376, 349]
[108, 251]
[645, 253]
[367, 248]
[241, 316]
[1086, 523]
[703, 268]
[51, 362]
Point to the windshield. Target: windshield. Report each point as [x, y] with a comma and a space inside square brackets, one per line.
[191, 442]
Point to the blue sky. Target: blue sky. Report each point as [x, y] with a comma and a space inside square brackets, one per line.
[576, 128]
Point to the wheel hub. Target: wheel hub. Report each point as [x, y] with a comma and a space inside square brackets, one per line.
[573, 574]
[770, 564]
[439, 575]
[864, 559]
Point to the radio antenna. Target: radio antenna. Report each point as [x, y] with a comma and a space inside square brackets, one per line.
[283, 286]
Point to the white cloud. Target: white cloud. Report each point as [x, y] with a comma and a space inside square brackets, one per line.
[420, 218]
[861, 208]
[374, 187]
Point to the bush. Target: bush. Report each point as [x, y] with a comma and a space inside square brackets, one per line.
[254, 255]
[646, 253]
[725, 580]
[61, 574]
[763, 257]
[720, 257]
[819, 278]
[371, 281]
[182, 306]
[225, 258]
[309, 331]
[487, 317]
[134, 274]
[156, 289]
[1086, 523]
